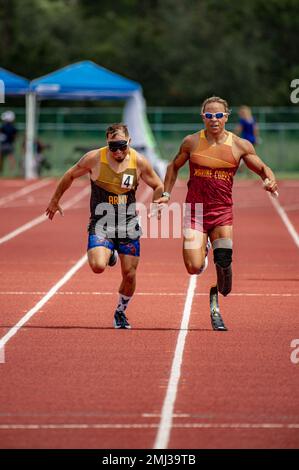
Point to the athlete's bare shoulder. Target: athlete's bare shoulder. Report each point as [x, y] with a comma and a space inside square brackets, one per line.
[184, 152]
[142, 163]
[146, 171]
[89, 160]
[187, 144]
[191, 139]
[141, 160]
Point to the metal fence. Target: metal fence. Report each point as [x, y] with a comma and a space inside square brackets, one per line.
[70, 131]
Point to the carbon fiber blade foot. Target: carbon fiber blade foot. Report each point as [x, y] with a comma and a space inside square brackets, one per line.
[216, 319]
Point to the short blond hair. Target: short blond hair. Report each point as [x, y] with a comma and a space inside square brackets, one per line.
[114, 129]
[215, 99]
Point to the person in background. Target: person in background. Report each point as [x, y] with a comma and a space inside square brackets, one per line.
[8, 133]
[247, 127]
[42, 163]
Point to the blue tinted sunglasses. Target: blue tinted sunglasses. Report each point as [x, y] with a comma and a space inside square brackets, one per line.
[216, 115]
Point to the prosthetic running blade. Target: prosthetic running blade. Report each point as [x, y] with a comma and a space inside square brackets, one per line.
[216, 319]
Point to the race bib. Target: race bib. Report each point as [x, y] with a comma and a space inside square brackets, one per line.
[127, 181]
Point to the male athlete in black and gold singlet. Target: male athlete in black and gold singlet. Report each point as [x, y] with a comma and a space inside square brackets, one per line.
[113, 227]
[214, 155]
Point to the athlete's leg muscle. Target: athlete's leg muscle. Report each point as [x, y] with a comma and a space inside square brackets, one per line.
[98, 258]
[128, 268]
[194, 247]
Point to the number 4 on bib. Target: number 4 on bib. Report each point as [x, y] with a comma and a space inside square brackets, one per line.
[127, 181]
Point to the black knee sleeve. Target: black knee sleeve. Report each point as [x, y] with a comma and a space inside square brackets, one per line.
[223, 257]
[223, 261]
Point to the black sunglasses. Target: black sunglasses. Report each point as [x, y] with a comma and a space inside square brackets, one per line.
[115, 145]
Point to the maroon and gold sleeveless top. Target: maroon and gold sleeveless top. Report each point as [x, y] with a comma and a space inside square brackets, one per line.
[212, 169]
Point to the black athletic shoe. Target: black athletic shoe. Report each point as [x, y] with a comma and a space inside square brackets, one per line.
[121, 321]
[113, 258]
[216, 319]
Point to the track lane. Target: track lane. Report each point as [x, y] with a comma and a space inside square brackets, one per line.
[82, 368]
[30, 260]
[22, 210]
[94, 373]
[59, 353]
[238, 388]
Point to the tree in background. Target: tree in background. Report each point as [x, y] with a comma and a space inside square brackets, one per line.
[179, 50]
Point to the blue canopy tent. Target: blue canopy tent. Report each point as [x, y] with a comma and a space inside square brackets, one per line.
[83, 80]
[12, 84]
[87, 80]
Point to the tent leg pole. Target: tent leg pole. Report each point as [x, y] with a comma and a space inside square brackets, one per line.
[30, 171]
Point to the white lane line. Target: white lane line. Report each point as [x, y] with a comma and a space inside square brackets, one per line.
[12, 183]
[289, 184]
[42, 218]
[22, 192]
[56, 287]
[151, 425]
[290, 227]
[162, 438]
[43, 301]
[292, 207]
[78, 197]
[154, 294]
[23, 228]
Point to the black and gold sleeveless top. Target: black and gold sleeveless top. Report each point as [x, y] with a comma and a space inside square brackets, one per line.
[113, 188]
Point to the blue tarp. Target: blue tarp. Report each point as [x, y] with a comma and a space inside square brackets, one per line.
[84, 80]
[14, 84]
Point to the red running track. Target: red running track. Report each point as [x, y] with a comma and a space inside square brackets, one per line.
[70, 380]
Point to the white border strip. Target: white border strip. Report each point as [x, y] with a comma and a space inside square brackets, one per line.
[154, 294]
[163, 434]
[24, 191]
[290, 227]
[42, 218]
[42, 302]
[150, 426]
